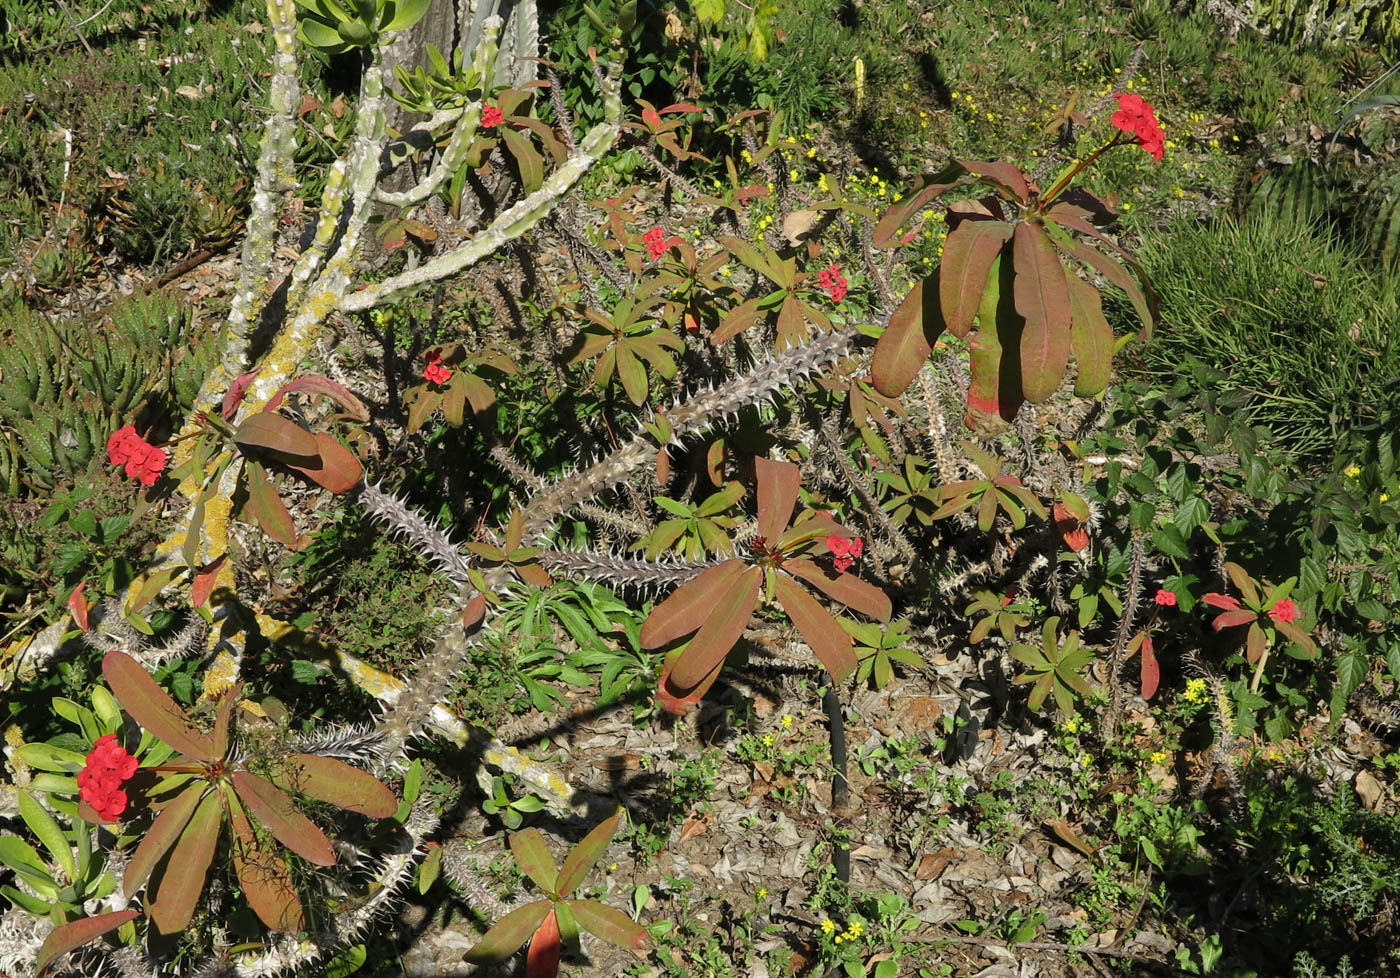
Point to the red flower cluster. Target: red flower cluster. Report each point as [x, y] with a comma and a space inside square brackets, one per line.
[1137, 118]
[1165, 598]
[846, 551]
[108, 765]
[491, 117]
[435, 372]
[142, 460]
[1284, 611]
[832, 282]
[657, 243]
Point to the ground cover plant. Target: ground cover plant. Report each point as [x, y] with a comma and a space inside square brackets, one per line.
[890, 492]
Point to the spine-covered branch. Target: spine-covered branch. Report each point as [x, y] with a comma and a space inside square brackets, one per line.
[620, 571]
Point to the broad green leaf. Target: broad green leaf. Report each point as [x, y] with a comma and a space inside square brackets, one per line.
[69, 937]
[27, 902]
[21, 857]
[429, 869]
[336, 782]
[828, 641]
[1091, 338]
[584, 855]
[152, 706]
[966, 272]
[984, 394]
[725, 621]
[527, 159]
[406, 13]
[632, 373]
[610, 924]
[1042, 300]
[108, 710]
[689, 606]
[509, 933]
[534, 859]
[46, 757]
[182, 882]
[47, 831]
[276, 813]
[262, 872]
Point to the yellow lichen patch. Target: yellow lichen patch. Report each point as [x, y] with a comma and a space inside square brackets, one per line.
[551, 788]
[221, 675]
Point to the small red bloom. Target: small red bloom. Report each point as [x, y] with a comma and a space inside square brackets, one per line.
[141, 459]
[1136, 117]
[99, 782]
[435, 372]
[846, 552]
[1284, 611]
[657, 244]
[833, 283]
[491, 117]
[119, 444]
[1165, 598]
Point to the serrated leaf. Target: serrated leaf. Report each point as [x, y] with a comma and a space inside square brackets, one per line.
[182, 882]
[509, 933]
[584, 855]
[74, 935]
[152, 706]
[533, 856]
[276, 813]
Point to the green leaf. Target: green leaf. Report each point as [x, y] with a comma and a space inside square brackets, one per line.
[429, 869]
[47, 831]
[266, 506]
[329, 780]
[282, 437]
[47, 757]
[610, 924]
[1169, 540]
[584, 855]
[534, 859]
[1351, 672]
[406, 13]
[349, 961]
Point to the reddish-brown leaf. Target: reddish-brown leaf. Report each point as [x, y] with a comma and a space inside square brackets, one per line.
[1042, 300]
[266, 506]
[542, 959]
[1296, 634]
[339, 784]
[316, 384]
[1241, 579]
[738, 319]
[969, 254]
[584, 855]
[828, 640]
[160, 837]
[1144, 303]
[205, 579]
[262, 872]
[1224, 601]
[1254, 643]
[234, 396]
[610, 924]
[152, 706]
[1003, 175]
[182, 881]
[1070, 527]
[274, 433]
[680, 702]
[532, 855]
[1150, 673]
[908, 339]
[725, 623]
[1091, 338]
[336, 468]
[71, 936]
[778, 483]
[78, 606]
[223, 720]
[276, 813]
[926, 188]
[1230, 619]
[689, 606]
[511, 931]
[846, 588]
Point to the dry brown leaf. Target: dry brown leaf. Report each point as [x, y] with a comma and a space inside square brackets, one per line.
[694, 826]
[1369, 790]
[620, 762]
[1070, 836]
[934, 863]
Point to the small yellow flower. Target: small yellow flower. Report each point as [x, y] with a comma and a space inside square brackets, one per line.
[955, 96]
[1195, 691]
[822, 184]
[612, 868]
[927, 213]
[762, 892]
[839, 938]
[1158, 757]
[1086, 760]
[854, 929]
[811, 152]
[1127, 206]
[828, 926]
[746, 156]
[793, 174]
[1384, 497]
[1072, 724]
[1352, 471]
[788, 721]
[768, 740]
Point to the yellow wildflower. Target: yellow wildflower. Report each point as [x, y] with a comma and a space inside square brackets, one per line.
[828, 926]
[762, 892]
[1195, 691]
[1158, 757]
[1352, 471]
[768, 740]
[788, 721]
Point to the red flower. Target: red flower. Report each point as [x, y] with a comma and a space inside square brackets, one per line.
[100, 780]
[1284, 611]
[846, 551]
[657, 243]
[141, 459]
[1165, 598]
[833, 283]
[491, 117]
[435, 372]
[1137, 118]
